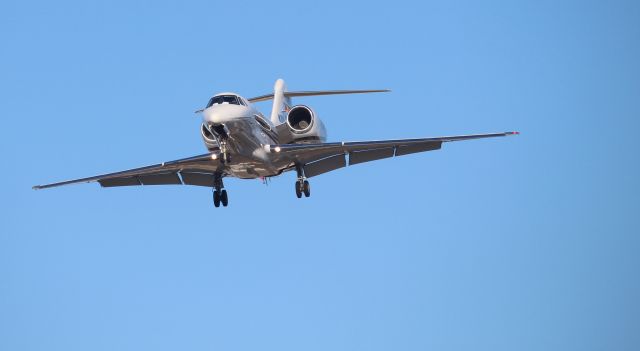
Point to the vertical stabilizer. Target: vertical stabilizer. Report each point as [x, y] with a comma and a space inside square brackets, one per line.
[281, 103]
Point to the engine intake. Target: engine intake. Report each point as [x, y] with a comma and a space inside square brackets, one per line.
[300, 119]
[206, 134]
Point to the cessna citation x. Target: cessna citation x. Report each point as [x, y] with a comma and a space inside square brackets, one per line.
[242, 143]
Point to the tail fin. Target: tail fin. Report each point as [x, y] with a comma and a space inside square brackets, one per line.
[281, 102]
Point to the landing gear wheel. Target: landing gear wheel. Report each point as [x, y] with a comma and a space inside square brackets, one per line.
[224, 198]
[216, 198]
[306, 188]
[298, 189]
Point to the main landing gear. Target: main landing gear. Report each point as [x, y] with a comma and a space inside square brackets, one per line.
[302, 184]
[219, 195]
[303, 187]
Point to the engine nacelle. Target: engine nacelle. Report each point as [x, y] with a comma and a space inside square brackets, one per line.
[209, 139]
[304, 125]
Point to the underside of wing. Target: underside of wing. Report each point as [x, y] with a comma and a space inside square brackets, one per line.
[325, 157]
[197, 170]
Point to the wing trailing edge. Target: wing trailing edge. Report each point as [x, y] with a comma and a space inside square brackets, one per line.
[317, 159]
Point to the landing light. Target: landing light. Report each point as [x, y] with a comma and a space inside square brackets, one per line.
[277, 149]
[214, 156]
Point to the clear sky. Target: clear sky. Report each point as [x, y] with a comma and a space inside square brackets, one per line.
[521, 243]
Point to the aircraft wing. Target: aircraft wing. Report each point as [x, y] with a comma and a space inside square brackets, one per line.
[196, 170]
[324, 157]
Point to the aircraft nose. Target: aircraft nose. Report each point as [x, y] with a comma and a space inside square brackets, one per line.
[219, 114]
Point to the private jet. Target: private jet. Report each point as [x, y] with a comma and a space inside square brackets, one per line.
[241, 142]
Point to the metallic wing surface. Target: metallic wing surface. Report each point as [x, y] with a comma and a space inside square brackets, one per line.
[196, 170]
[324, 157]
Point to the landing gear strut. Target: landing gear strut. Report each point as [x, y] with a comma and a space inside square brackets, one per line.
[219, 194]
[302, 184]
[225, 157]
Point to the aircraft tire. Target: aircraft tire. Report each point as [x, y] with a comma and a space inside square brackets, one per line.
[306, 188]
[216, 198]
[224, 198]
[298, 190]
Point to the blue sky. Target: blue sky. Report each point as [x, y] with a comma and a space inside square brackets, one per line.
[526, 243]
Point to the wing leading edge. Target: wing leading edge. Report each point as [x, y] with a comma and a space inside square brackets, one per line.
[325, 157]
[196, 170]
[316, 159]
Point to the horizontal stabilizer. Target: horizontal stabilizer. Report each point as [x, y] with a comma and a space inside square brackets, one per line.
[317, 93]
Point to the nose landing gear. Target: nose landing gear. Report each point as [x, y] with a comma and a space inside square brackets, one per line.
[220, 197]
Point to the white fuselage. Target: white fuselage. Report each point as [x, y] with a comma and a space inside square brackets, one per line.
[241, 131]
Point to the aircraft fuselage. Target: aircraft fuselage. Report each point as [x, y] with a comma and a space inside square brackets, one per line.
[242, 132]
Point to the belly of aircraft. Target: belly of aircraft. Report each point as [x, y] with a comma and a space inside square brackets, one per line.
[249, 159]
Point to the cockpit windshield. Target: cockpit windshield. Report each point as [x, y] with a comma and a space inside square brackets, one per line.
[224, 99]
